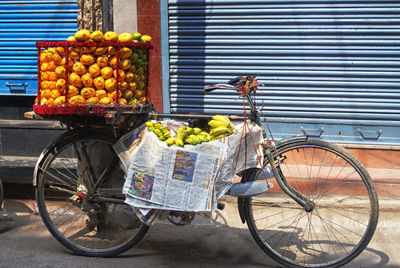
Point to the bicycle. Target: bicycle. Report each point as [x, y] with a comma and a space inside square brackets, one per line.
[324, 214]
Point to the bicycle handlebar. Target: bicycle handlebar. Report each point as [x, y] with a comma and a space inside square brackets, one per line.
[219, 86]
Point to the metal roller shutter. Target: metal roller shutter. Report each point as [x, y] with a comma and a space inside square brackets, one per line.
[330, 68]
[22, 23]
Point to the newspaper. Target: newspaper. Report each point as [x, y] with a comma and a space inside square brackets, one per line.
[189, 178]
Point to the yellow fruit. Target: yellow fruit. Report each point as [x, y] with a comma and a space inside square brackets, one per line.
[125, 52]
[60, 100]
[127, 94]
[43, 56]
[75, 80]
[122, 85]
[111, 51]
[52, 85]
[60, 51]
[133, 102]
[44, 67]
[87, 80]
[82, 35]
[222, 118]
[94, 70]
[77, 100]
[88, 50]
[145, 39]
[98, 83]
[128, 77]
[106, 72]
[102, 61]
[45, 93]
[113, 62]
[88, 92]
[92, 100]
[60, 71]
[72, 91]
[70, 62]
[142, 100]
[87, 59]
[57, 59]
[179, 142]
[75, 53]
[55, 94]
[121, 75]
[110, 84]
[71, 38]
[97, 36]
[125, 37]
[44, 76]
[138, 94]
[125, 64]
[106, 101]
[100, 50]
[113, 94]
[122, 101]
[132, 86]
[50, 102]
[79, 68]
[101, 93]
[136, 36]
[111, 36]
[60, 85]
[43, 101]
[52, 76]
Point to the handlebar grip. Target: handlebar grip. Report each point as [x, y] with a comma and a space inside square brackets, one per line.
[233, 81]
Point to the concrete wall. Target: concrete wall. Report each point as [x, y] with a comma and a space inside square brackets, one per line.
[125, 16]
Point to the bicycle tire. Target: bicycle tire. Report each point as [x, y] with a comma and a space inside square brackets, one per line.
[337, 230]
[59, 179]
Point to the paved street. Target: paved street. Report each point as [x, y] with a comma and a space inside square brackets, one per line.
[226, 243]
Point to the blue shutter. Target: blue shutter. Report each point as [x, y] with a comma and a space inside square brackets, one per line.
[331, 68]
[22, 23]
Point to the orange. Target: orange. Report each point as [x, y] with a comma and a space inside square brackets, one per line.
[113, 62]
[98, 83]
[100, 50]
[72, 91]
[125, 52]
[55, 94]
[133, 101]
[121, 75]
[50, 102]
[77, 100]
[44, 67]
[60, 71]
[79, 68]
[82, 35]
[125, 64]
[122, 101]
[138, 94]
[60, 51]
[75, 80]
[101, 94]
[128, 77]
[45, 93]
[122, 85]
[52, 66]
[75, 53]
[60, 100]
[125, 37]
[70, 62]
[94, 70]
[106, 72]
[110, 84]
[113, 95]
[52, 76]
[43, 101]
[60, 85]
[88, 50]
[127, 94]
[111, 36]
[102, 61]
[71, 38]
[57, 59]
[106, 101]
[88, 92]
[142, 100]
[44, 76]
[112, 51]
[43, 56]
[87, 80]
[132, 86]
[92, 100]
[97, 36]
[52, 85]
[87, 59]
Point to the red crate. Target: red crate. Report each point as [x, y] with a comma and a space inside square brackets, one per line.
[70, 84]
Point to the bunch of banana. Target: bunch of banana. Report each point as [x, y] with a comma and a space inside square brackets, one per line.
[192, 136]
[221, 127]
[158, 129]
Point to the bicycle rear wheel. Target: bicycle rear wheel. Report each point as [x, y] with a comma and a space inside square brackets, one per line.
[79, 196]
[340, 225]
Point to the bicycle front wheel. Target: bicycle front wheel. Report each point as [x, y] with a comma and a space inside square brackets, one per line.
[343, 218]
[79, 196]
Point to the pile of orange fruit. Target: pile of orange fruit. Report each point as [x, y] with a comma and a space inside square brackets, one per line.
[93, 73]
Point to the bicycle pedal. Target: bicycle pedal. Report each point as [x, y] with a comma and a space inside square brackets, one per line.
[250, 188]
